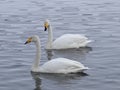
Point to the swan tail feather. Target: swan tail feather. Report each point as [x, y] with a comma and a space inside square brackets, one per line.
[89, 41]
[86, 68]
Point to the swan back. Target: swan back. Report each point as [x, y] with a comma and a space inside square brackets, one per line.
[62, 65]
[70, 41]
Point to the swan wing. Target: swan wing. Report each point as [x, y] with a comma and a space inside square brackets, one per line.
[70, 41]
[62, 65]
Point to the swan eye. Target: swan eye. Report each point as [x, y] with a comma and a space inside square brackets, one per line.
[46, 25]
[28, 40]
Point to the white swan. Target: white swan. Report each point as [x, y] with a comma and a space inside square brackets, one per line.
[58, 65]
[65, 41]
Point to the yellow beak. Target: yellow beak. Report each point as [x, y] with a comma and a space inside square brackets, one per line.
[46, 25]
[28, 40]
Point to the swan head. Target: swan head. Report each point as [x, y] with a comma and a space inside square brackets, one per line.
[46, 24]
[32, 39]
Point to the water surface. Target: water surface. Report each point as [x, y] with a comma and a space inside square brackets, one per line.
[98, 20]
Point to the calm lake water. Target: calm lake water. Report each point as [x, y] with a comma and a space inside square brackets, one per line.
[99, 20]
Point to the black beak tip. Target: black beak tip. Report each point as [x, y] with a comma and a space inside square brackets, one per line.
[25, 43]
[45, 29]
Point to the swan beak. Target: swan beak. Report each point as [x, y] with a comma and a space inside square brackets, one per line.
[45, 29]
[46, 25]
[28, 40]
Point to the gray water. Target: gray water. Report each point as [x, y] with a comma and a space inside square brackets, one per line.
[99, 20]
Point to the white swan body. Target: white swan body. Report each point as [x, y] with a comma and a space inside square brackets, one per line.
[65, 41]
[58, 65]
[70, 41]
[62, 65]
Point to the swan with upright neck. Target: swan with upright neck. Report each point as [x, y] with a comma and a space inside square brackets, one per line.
[58, 65]
[65, 41]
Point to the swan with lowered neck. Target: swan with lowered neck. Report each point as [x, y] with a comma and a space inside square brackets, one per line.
[58, 65]
[65, 41]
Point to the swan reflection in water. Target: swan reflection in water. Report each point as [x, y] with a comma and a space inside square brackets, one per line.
[75, 54]
[37, 79]
[61, 79]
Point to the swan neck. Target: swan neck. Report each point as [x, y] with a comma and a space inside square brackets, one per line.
[36, 63]
[50, 37]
